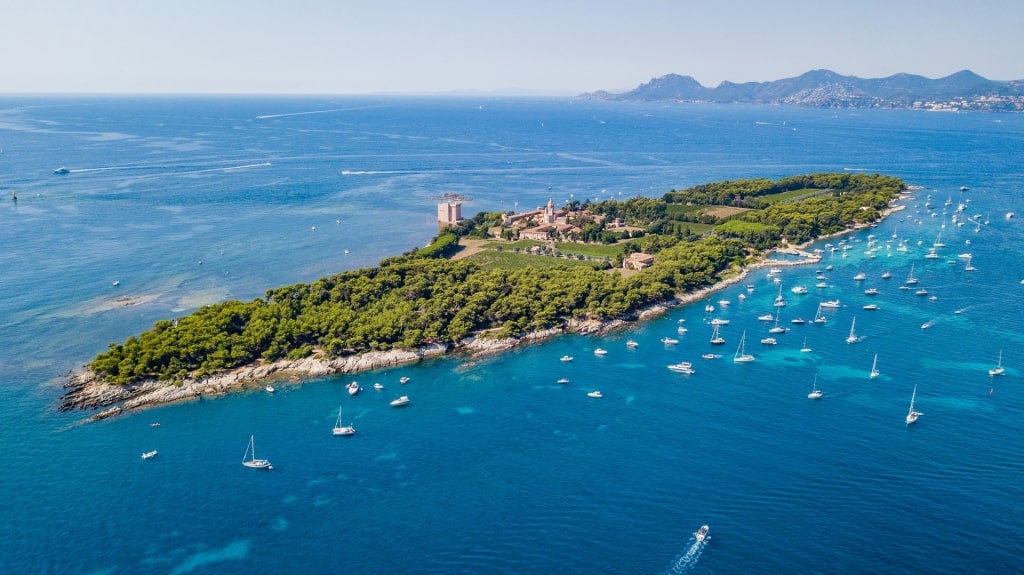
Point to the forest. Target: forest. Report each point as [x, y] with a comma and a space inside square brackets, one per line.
[423, 297]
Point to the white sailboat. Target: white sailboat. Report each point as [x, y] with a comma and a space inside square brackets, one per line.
[741, 354]
[818, 317]
[852, 338]
[815, 392]
[805, 349]
[913, 414]
[251, 461]
[911, 280]
[874, 368]
[716, 338]
[340, 429]
[998, 369]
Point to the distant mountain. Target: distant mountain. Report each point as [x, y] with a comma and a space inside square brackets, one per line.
[963, 90]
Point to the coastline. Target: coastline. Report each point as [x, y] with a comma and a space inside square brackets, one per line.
[84, 390]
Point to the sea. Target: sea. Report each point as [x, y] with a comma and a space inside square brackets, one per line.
[173, 203]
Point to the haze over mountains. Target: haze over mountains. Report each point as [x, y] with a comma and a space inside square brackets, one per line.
[963, 90]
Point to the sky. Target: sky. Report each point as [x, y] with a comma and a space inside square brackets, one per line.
[526, 47]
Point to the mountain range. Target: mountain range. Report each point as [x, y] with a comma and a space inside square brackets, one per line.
[963, 90]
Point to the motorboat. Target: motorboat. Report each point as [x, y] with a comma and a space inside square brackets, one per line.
[564, 381]
[631, 344]
[669, 340]
[353, 388]
[400, 401]
[702, 534]
[62, 170]
[769, 341]
[600, 351]
[682, 367]
[149, 454]
[567, 358]
[595, 393]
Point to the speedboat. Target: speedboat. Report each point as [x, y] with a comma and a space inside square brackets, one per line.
[403, 380]
[871, 306]
[566, 358]
[719, 321]
[269, 389]
[600, 351]
[400, 401]
[766, 317]
[631, 344]
[711, 356]
[701, 533]
[595, 393]
[62, 170]
[669, 340]
[378, 386]
[769, 341]
[353, 388]
[871, 291]
[830, 304]
[149, 454]
[564, 380]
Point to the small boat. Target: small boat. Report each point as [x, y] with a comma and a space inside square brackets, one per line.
[340, 429]
[834, 303]
[805, 349]
[871, 291]
[62, 170]
[886, 275]
[378, 386]
[852, 338]
[681, 330]
[874, 368]
[269, 389]
[798, 320]
[766, 317]
[913, 414]
[631, 344]
[669, 340]
[769, 341]
[871, 307]
[998, 369]
[709, 308]
[353, 388]
[154, 424]
[799, 290]
[400, 401]
[600, 351]
[595, 393]
[564, 381]
[718, 321]
[860, 276]
[403, 380]
[149, 454]
[682, 367]
[711, 356]
[566, 358]
[116, 283]
[821, 285]
[741, 355]
[1009, 215]
[815, 392]
[921, 291]
[252, 461]
[701, 534]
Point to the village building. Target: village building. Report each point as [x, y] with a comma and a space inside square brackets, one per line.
[638, 261]
[449, 214]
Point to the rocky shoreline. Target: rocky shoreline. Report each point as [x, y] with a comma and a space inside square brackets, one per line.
[85, 390]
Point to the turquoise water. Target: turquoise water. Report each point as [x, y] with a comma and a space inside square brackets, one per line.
[495, 467]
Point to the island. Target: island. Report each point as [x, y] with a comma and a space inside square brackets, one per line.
[485, 284]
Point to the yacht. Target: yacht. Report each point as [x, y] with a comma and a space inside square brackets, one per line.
[799, 290]
[834, 303]
[766, 317]
[718, 321]
[998, 369]
[631, 344]
[769, 341]
[566, 358]
[669, 340]
[815, 392]
[600, 351]
[595, 393]
[871, 291]
[353, 388]
[400, 401]
[340, 429]
[860, 276]
[871, 307]
[682, 367]
[741, 355]
[564, 381]
[913, 414]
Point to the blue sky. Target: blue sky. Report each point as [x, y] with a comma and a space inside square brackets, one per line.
[553, 47]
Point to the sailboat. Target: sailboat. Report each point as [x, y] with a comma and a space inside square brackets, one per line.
[340, 429]
[815, 392]
[251, 461]
[852, 338]
[913, 414]
[998, 369]
[777, 328]
[716, 338]
[911, 280]
[874, 368]
[805, 349]
[741, 355]
[818, 317]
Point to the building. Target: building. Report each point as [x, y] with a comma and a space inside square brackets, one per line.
[638, 261]
[449, 213]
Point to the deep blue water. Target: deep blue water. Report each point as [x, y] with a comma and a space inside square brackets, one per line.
[494, 467]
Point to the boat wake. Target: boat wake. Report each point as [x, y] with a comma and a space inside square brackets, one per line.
[688, 560]
[929, 323]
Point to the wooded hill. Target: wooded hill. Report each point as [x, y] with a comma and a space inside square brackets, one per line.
[421, 297]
